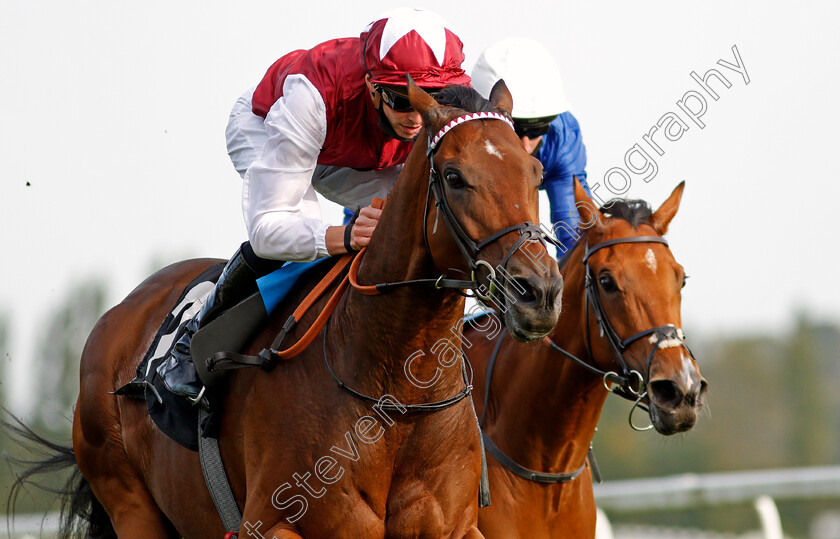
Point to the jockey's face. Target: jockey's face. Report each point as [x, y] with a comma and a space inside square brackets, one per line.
[531, 130]
[406, 124]
[530, 144]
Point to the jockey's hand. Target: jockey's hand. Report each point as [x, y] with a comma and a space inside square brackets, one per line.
[363, 227]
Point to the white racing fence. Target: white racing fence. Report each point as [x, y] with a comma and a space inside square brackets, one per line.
[30, 526]
[761, 488]
[677, 492]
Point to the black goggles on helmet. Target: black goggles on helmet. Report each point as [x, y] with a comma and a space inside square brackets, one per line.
[532, 127]
[397, 99]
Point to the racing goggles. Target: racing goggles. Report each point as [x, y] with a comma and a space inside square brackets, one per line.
[532, 127]
[397, 99]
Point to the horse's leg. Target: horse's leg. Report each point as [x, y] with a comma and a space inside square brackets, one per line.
[99, 435]
[133, 511]
[122, 491]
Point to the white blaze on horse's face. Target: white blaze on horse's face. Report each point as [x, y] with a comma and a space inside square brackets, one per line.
[687, 370]
[650, 260]
[492, 150]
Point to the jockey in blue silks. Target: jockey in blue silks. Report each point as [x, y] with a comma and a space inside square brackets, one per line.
[543, 122]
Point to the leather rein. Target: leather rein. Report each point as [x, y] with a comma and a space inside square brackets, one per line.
[470, 249]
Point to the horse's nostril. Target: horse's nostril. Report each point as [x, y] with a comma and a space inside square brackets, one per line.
[523, 291]
[665, 393]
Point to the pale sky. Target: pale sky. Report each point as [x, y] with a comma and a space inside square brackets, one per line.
[114, 112]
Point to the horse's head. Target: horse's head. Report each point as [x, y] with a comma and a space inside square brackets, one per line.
[633, 295]
[482, 206]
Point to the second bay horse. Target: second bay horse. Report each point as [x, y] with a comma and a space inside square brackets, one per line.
[620, 327]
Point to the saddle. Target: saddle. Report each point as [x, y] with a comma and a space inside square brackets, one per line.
[226, 335]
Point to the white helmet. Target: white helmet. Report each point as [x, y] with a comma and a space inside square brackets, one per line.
[530, 74]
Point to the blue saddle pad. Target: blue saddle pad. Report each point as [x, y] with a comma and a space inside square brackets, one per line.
[275, 286]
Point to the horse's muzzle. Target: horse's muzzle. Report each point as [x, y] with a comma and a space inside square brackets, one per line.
[533, 303]
[675, 401]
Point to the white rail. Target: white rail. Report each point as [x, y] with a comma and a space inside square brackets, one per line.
[30, 526]
[760, 487]
[691, 490]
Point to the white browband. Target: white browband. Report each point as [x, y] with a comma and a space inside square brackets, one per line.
[466, 118]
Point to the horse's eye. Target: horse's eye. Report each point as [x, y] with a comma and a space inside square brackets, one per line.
[607, 282]
[683, 281]
[454, 179]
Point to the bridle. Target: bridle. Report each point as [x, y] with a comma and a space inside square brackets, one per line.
[469, 248]
[628, 383]
[623, 378]
[268, 357]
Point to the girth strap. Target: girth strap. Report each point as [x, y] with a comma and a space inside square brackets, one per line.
[216, 479]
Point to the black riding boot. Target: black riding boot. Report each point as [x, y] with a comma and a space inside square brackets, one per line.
[236, 282]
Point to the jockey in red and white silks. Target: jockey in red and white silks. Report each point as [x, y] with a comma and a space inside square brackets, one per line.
[318, 122]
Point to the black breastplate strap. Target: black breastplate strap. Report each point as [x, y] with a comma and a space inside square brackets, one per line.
[510, 464]
[531, 475]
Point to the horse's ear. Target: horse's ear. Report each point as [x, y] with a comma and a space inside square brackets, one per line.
[662, 217]
[500, 97]
[432, 113]
[590, 216]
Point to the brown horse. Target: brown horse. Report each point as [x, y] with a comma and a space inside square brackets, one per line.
[620, 326]
[306, 458]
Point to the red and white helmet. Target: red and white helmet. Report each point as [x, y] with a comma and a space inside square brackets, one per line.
[413, 41]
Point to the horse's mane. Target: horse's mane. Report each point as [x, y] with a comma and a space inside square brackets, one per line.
[635, 212]
[463, 97]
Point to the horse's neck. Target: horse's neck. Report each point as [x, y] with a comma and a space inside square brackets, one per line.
[380, 333]
[549, 408]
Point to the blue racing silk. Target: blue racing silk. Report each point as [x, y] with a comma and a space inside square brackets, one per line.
[563, 156]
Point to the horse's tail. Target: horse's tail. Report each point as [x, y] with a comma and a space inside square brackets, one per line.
[81, 513]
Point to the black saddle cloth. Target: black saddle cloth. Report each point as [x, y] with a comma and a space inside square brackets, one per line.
[173, 414]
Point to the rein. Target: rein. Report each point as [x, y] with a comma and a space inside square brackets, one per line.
[513, 466]
[268, 357]
[421, 407]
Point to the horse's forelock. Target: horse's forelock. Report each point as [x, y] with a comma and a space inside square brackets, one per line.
[464, 98]
[635, 212]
